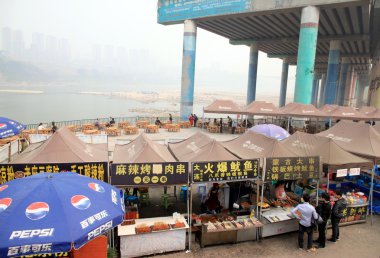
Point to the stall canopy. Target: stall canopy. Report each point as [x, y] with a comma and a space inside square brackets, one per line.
[377, 127]
[62, 147]
[301, 110]
[366, 110]
[358, 138]
[331, 153]
[200, 147]
[374, 115]
[223, 107]
[254, 145]
[347, 113]
[328, 108]
[262, 108]
[142, 150]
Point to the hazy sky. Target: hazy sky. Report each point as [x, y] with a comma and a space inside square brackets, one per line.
[133, 24]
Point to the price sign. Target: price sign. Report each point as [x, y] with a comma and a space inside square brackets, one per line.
[354, 172]
[341, 172]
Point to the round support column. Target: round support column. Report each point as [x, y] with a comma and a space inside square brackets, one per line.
[284, 82]
[322, 90]
[252, 72]
[306, 54]
[332, 72]
[342, 81]
[188, 69]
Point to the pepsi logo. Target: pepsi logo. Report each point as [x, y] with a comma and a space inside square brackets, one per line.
[37, 210]
[4, 204]
[80, 202]
[96, 187]
[2, 188]
[3, 126]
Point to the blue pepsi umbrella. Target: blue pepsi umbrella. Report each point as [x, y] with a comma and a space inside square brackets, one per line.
[9, 127]
[50, 213]
[271, 130]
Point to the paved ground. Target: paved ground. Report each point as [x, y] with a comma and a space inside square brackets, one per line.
[360, 240]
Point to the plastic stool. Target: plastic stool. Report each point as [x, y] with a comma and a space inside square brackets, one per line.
[165, 200]
[183, 193]
[360, 182]
[131, 199]
[201, 189]
[144, 198]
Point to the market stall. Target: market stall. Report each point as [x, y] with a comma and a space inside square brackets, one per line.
[62, 151]
[143, 163]
[278, 219]
[213, 165]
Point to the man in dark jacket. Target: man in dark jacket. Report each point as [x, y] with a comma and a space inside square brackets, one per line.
[337, 215]
[324, 210]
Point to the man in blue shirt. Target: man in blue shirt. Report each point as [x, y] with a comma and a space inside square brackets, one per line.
[304, 212]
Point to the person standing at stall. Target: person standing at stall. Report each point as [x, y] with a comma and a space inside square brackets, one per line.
[212, 202]
[324, 210]
[337, 215]
[191, 119]
[304, 212]
[170, 119]
[279, 191]
[195, 120]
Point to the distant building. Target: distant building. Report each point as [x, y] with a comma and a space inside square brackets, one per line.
[18, 45]
[6, 40]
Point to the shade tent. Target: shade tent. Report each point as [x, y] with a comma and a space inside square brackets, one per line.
[358, 138]
[62, 147]
[223, 107]
[366, 110]
[254, 145]
[376, 127]
[331, 153]
[374, 115]
[328, 108]
[301, 110]
[200, 147]
[347, 113]
[142, 150]
[262, 108]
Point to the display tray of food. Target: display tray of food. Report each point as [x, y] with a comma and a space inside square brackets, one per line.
[143, 228]
[233, 225]
[178, 224]
[160, 226]
[128, 222]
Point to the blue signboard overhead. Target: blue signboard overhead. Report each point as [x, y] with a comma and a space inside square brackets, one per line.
[172, 11]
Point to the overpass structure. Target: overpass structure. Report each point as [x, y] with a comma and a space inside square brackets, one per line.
[334, 44]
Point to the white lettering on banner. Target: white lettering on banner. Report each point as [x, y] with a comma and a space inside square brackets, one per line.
[341, 172]
[100, 230]
[252, 146]
[348, 114]
[337, 138]
[90, 220]
[266, 109]
[307, 111]
[34, 248]
[30, 233]
[225, 108]
[114, 196]
[354, 172]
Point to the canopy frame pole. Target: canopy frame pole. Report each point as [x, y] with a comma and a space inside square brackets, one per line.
[203, 118]
[288, 123]
[371, 191]
[189, 204]
[262, 190]
[257, 202]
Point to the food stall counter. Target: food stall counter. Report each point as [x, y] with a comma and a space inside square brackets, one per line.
[133, 244]
[278, 221]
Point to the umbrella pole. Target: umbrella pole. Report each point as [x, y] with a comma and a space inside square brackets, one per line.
[262, 187]
[288, 123]
[190, 209]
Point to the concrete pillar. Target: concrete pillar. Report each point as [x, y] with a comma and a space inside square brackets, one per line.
[314, 92]
[360, 91]
[332, 72]
[306, 54]
[322, 90]
[342, 81]
[353, 89]
[284, 82]
[252, 72]
[347, 87]
[188, 69]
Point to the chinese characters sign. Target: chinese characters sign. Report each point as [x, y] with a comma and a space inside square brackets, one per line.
[96, 170]
[292, 168]
[143, 174]
[341, 172]
[177, 10]
[225, 170]
[354, 213]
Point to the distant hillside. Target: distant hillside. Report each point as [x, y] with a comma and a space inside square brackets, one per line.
[12, 70]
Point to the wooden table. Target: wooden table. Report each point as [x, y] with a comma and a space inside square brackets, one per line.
[113, 131]
[151, 128]
[184, 124]
[173, 127]
[72, 128]
[142, 123]
[240, 129]
[25, 133]
[8, 139]
[91, 131]
[123, 124]
[44, 131]
[88, 127]
[131, 130]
